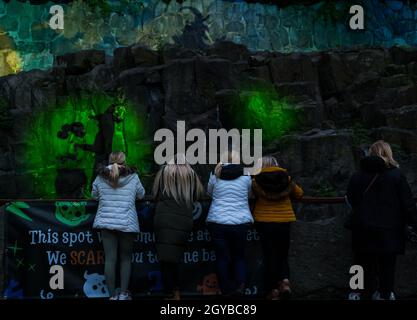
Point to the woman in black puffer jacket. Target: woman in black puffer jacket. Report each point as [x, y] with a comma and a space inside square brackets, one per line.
[383, 206]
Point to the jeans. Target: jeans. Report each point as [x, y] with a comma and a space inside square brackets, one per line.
[379, 272]
[229, 243]
[275, 241]
[112, 241]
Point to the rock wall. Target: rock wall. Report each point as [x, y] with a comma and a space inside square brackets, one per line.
[27, 42]
[346, 99]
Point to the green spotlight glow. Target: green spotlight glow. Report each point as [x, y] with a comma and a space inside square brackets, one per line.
[53, 138]
[266, 110]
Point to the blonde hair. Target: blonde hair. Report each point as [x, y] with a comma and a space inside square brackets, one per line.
[383, 149]
[230, 156]
[116, 160]
[180, 182]
[269, 161]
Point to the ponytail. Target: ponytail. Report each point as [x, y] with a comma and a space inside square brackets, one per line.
[114, 174]
[116, 160]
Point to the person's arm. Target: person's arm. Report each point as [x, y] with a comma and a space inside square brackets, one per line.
[297, 193]
[211, 183]
[255, 188]
[95, 192]
[140, 190]
[250, 193]
[408, 203]
[351, 192]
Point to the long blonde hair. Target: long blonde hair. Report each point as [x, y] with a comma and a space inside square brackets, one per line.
[178, 181]
[269, 161]
[383, 149]
[265, 162]
[116, 160]
[230, 156]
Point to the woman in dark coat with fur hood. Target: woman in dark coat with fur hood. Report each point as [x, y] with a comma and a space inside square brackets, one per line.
[383, 206]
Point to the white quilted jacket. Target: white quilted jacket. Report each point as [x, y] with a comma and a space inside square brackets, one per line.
[230, 200]
[116, 208]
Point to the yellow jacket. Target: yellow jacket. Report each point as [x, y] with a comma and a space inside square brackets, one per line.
[274, 190]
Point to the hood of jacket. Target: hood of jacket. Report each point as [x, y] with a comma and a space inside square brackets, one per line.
[273, 183]
[231, 171]
[125, 175]
[373, 164]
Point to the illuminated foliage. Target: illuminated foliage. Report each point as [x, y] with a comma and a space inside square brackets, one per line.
[14, 62]
[10, 61]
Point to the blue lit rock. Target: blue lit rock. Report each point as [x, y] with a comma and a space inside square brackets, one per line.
[24, 27]
[2, 7]
[394, 5]
[411, 38]
[383, 33]
[407, 13]
[14, 8]
[300, 39]
[258, 26]
[42, 32]
[398, 41]
[9, 23]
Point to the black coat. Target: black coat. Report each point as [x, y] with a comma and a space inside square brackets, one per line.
[173, 223]
[381, 214]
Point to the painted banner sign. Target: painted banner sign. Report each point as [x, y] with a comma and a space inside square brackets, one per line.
[42, 234]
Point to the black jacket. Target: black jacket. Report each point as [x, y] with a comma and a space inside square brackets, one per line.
[173, 223]
[381, 214]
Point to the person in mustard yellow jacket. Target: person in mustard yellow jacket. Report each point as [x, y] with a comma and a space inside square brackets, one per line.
[273, 213]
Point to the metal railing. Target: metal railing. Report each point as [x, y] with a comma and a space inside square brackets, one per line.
[306, 200]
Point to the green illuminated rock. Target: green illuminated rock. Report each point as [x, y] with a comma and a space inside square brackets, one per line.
[66, 142]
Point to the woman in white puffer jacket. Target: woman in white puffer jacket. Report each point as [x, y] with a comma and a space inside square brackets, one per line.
[228, 221]
[116, 188]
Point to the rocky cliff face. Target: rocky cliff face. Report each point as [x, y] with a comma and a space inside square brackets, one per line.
[344, 99]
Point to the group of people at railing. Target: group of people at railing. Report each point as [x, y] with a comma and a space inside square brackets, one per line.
[379, 195]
